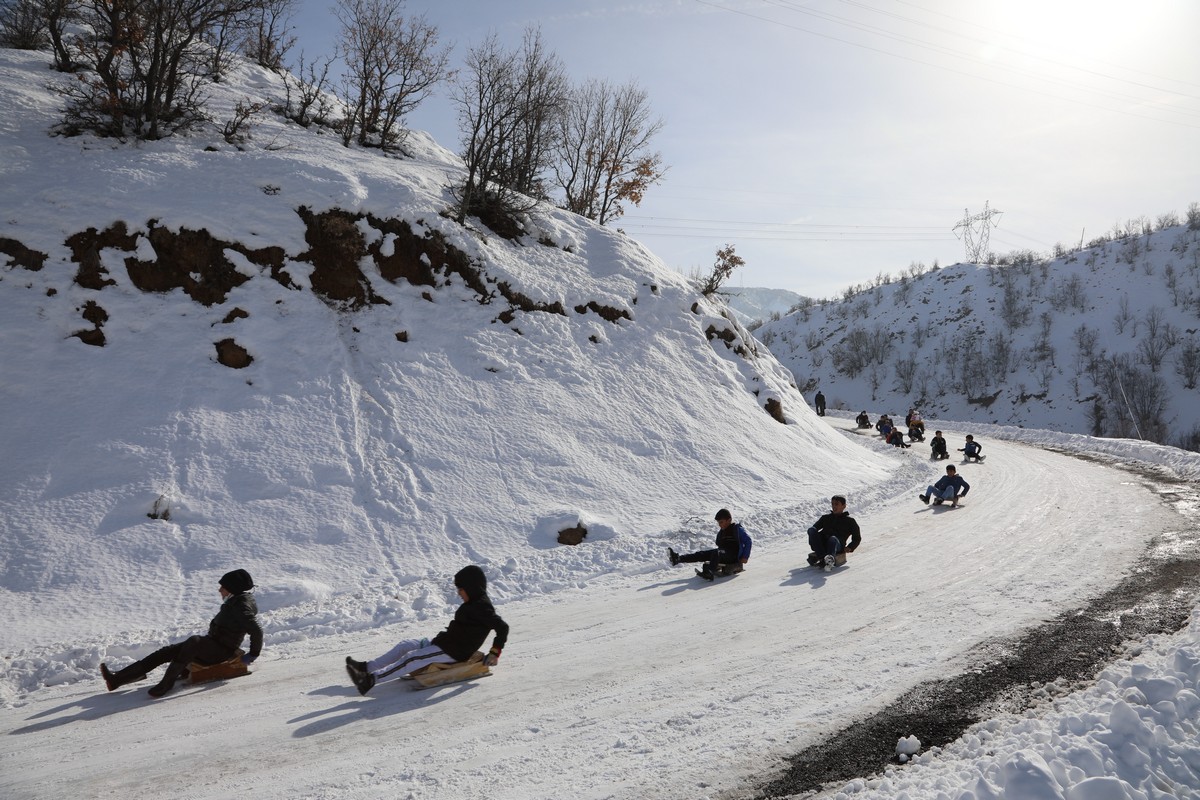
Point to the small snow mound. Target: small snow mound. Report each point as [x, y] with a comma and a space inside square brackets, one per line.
[907, 747]
[291, 592]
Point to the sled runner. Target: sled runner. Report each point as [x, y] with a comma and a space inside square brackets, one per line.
[442, 674]
[233, 668]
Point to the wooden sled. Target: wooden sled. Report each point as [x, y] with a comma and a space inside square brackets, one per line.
[729, 569]
[203, 673]
[441, 674]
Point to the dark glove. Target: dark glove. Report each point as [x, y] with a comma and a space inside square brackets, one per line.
[492, 657]
[249, 659]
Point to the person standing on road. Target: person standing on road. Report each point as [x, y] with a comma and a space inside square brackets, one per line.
[820, 403]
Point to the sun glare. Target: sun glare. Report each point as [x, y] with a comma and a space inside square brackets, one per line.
[1075, 28]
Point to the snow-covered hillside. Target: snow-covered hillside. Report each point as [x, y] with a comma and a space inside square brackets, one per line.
[399, 416]
[754, 304]
[1103, 341]
[282, 357]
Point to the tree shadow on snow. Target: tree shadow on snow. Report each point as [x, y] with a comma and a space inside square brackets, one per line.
[385, 700]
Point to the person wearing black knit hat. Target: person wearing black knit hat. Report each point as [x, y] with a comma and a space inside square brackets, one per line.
[237, 618]
[464, 635]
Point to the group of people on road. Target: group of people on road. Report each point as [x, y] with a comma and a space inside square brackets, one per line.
[830, 538]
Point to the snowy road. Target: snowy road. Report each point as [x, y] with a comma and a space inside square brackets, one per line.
[651, 686]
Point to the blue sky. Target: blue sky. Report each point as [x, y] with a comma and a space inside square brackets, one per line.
[833, 140]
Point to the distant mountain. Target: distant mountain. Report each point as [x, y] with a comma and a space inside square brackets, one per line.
[753, 304]
[1103, 341]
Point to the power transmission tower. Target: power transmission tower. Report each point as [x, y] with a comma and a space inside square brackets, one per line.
[975, 232]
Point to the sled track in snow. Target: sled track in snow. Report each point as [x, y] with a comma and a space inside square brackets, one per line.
[1157, 597]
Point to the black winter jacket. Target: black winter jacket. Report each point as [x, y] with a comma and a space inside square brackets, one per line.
[467, 631]
[237, 618]
[843, 526]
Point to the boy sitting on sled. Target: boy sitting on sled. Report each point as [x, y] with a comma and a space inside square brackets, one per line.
[465, 634]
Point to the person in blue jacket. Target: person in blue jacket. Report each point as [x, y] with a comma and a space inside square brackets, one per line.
[950, 486]
[733, 547]
[972, 449]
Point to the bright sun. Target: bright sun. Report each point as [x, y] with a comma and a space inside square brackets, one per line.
[1098, 29]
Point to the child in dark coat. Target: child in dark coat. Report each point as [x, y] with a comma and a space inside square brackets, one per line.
[237, 617]
[465, 634]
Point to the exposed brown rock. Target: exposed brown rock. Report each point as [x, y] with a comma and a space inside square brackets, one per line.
[232, 354]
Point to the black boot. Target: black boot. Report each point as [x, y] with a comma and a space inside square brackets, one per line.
[175, 670]
[115, 680]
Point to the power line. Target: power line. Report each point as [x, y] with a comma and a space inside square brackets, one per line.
[711, 229]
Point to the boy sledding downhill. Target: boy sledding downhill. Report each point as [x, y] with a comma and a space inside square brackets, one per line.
[950, 486]
[236, 619]
[457, 645]
[728, 557]
[832, 536]
[972, 450]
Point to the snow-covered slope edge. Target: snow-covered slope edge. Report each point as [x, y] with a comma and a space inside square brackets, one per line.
[370, 447]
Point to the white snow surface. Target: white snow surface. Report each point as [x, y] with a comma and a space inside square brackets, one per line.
[352, 474]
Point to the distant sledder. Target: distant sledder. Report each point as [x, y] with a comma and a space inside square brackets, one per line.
[950, 487]
[937, 447]
[972, 450]
[730, 555]
[863, 421]
[915, 425]
[832, 536]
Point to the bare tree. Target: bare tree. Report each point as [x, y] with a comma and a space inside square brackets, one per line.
[22, 25]
[145, 64]
[485, 94]
[392, 64]
[1187, 364]
[1159, 339]
[308, 102]
[541, 94]
[269, 37]
[36, 24]
[604, 152]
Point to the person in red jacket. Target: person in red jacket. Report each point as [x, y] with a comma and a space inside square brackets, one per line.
[465, 634]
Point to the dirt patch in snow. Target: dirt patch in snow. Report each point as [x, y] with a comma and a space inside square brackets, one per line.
[1018, 673]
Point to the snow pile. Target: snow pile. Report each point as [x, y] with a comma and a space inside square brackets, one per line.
[1131, 736]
